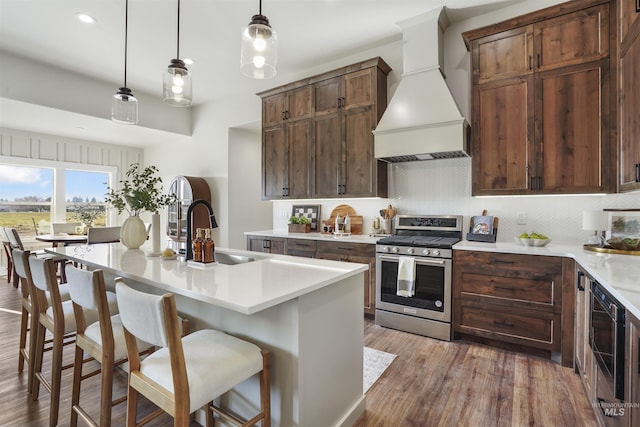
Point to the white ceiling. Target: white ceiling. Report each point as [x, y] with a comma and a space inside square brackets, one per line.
[310, 33]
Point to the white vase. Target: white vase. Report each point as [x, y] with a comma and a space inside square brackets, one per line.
[133, 232]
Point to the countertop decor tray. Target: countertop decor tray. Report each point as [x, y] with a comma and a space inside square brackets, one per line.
[609, 250]
[201, 265]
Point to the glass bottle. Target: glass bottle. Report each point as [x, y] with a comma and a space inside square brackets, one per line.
[347, 224]
[208, 250]
[197, 246]
[338, 227]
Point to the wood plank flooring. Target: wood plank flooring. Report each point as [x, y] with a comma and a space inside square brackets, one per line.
[430, 383]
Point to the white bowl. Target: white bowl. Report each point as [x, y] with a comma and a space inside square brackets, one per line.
[526, 242]
[540, 242]
[518, 240]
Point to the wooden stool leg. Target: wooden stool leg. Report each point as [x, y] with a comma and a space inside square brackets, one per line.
[106, 393]
[24, 349]
[56, 378]
[37, 352]
[132, 406]
[265, 390]
[77, 380]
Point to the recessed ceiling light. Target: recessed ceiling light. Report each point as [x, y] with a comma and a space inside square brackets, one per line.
[188, 61]
[87, 19]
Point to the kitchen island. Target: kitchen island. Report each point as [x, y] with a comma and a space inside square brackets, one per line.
[307, 312]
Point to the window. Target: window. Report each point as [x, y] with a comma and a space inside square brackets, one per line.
[35, 193]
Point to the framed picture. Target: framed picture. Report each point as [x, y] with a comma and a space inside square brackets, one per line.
[312, 212]
[624, 223]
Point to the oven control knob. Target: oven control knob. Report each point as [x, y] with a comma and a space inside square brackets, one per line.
[385, 249]
[394, 249]
[426, 252]
[410, 250]
[436, 252]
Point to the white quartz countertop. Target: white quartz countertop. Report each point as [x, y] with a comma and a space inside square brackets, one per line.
[354, 238]
[619, 274]
[246, 288]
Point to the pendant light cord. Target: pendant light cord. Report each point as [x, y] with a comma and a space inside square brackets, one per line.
[178, 37]
[260, 7]
[126, 27]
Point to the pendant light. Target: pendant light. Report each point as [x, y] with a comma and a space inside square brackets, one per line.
[259, 53]
[124, 106]
[176, 82]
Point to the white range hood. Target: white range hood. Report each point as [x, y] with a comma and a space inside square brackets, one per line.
[422, 120]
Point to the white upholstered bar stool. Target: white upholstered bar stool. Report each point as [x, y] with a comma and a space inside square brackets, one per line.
[186, 373]
[23, 272]
[103, 340]
[59, 320]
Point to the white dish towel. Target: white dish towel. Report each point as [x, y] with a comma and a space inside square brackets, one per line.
[406, 276]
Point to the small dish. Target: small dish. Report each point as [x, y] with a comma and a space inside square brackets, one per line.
[526, 242]
[540, 242]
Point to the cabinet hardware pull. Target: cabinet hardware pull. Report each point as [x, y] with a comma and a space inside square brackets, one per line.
[532, 183]
[530, 62]
[538, 60]
[506, 288]
[339, 102]
[343, 103]
[637, 172]
[507, 324]
[580, 276]
[502, 261]
[282, 115]
[539, 183]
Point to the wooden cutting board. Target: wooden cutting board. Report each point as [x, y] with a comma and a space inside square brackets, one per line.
[343, 210]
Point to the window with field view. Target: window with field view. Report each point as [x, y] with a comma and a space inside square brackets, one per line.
[84, 197]
[25, 197]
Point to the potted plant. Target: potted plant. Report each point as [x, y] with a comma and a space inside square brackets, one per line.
[141, 191]
[299, 224]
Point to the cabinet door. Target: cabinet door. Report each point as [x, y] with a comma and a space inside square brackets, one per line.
[583, 353]
[572, 131]
[327, 155]
[358, 89]
[503, 55]
[268, 245]
[629, 15]
[358, 167]
[629, 117]
[327, 95]
[275, 162]
[299, 103]
[503, 123]
[573, 38]
[273, 109]
[299, 135]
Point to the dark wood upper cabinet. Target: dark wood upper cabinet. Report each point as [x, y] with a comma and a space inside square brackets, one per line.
[629, 96]
[329, 150]
[543, 102]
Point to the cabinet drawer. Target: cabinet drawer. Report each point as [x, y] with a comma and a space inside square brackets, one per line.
[505, 288]
[342, 248]
[301, 245]
[531, 328]
[510, 265]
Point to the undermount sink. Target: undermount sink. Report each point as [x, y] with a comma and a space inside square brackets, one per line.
[232, 259]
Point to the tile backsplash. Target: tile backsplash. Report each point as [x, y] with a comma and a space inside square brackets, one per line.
[444, 187]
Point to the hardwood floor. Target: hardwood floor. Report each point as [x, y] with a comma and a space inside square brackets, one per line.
[430, 383]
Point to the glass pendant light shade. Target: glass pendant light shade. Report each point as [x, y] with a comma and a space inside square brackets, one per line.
[259, 50]
[124, 107]
[176, 84]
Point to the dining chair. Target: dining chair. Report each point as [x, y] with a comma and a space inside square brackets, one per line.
[103, 235]
[16, 243]
[21, 260]
[7, 250]
[185, 374]
[64, 227]
[58, 319]
[103, 340]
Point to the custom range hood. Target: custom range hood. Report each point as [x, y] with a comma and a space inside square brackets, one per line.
[422, 120]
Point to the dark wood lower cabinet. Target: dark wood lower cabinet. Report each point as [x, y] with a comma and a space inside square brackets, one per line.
[514, 300]
[336, 251]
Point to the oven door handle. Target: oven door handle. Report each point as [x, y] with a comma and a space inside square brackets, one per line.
[418, 260]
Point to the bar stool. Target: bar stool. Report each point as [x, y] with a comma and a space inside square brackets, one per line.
[23, 272]
[186, 373]
[58, 319]
[7, 250]
[102, 340]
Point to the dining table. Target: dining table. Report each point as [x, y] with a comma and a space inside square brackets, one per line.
[62, 239]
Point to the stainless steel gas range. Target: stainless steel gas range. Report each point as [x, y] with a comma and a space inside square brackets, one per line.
[422, 242]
